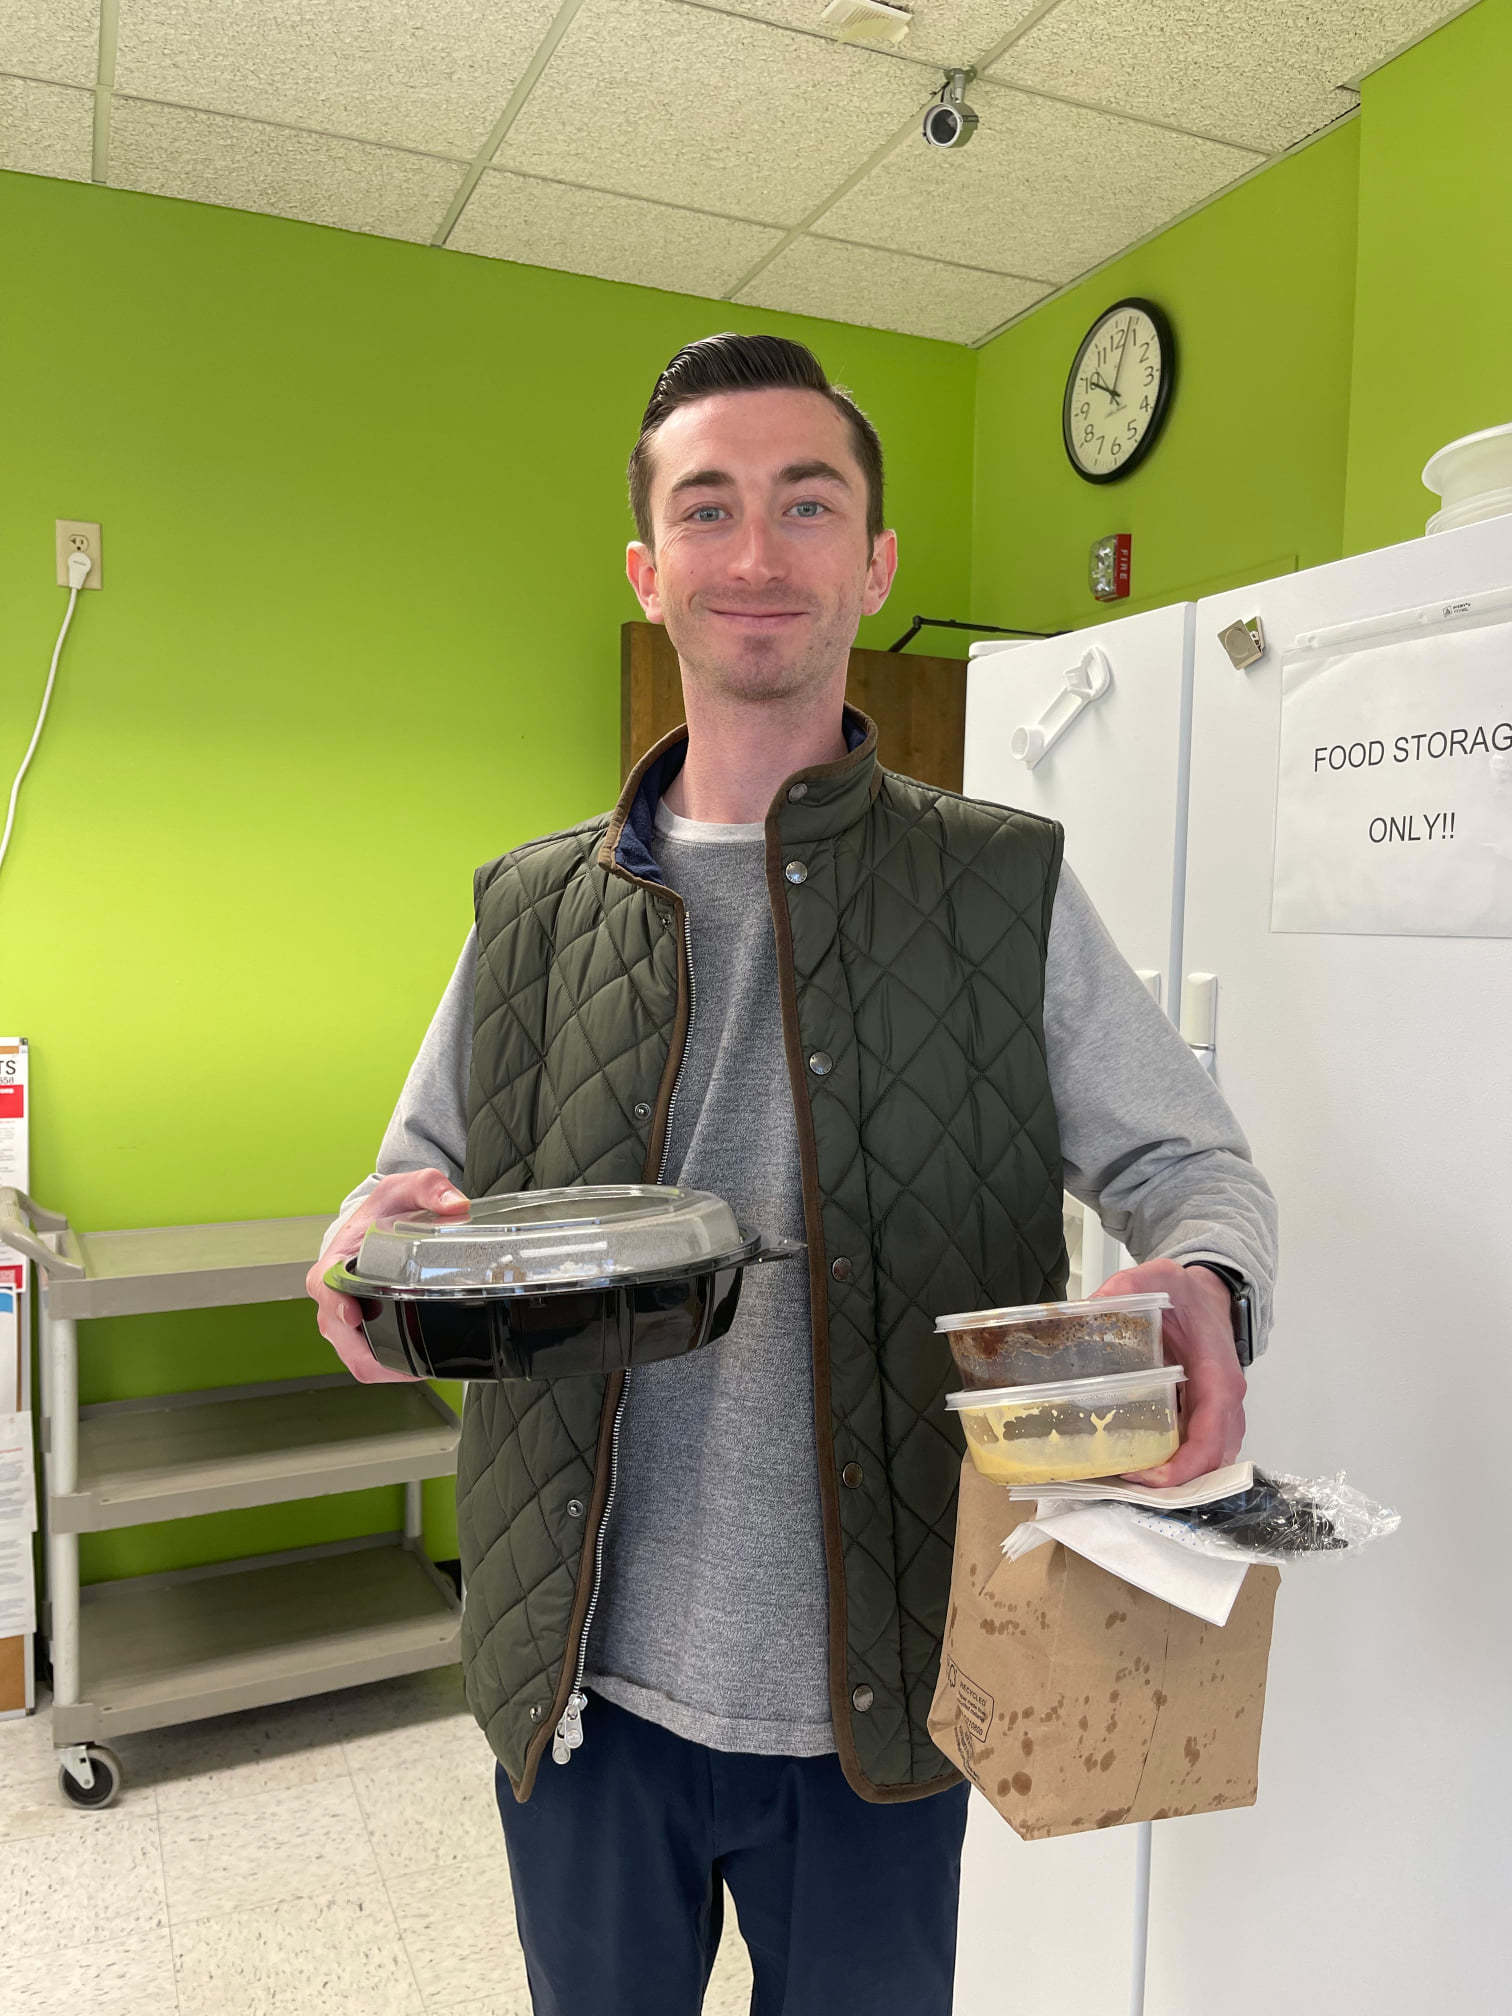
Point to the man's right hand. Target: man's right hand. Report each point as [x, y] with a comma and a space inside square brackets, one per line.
[339, 1320]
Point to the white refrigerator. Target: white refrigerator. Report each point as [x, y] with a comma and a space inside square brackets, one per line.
[1325, 841]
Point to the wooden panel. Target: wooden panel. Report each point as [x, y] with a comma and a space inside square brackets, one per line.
[918, 704]
[12, 1674]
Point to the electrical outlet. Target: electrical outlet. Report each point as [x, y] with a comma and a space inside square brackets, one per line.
[74, 536]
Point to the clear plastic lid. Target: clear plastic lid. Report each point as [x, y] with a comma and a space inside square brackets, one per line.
[603, 1233]
[1112, 1386]
[1049, 1312]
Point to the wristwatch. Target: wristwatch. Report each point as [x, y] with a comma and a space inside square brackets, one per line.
[1242, 1306]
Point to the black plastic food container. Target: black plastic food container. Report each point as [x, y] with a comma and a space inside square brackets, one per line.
[552, 1284]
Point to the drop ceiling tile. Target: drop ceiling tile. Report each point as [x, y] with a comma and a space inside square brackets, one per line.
[1043, 191]
[1264, 73]
[163, 151]
[56, 39]
[888, 290]
[686, 106]
[46, 129]
[613, 237]
[428, 74]
[948, 32]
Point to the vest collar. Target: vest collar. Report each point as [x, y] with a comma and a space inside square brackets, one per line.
[833, 796]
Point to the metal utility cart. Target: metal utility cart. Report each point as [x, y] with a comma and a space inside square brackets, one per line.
[156, 1649]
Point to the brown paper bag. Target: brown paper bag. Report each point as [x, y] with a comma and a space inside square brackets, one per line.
[1075, 1701]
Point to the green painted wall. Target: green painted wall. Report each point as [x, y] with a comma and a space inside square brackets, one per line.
[1433, 313]
[1248, 476]
[364, 520]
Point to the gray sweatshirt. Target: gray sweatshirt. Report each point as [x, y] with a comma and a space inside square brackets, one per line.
[712, 1619]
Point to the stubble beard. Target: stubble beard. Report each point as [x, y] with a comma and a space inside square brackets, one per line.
[760, 668]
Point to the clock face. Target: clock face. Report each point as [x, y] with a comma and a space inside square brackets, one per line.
[1118, 390]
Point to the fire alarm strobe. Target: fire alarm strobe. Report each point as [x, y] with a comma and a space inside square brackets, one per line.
[1108, 567]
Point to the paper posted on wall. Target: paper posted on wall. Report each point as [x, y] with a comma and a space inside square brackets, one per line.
[18, 1522]
[1394, 792]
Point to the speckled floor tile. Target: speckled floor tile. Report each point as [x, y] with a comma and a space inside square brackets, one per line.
[308, 1841]
[91, 1885]
[729, 1989]
[336, 1955]
[422, 1712]
[130, 1977]
[267, 1750]
[424, 1812]
[457, 1924]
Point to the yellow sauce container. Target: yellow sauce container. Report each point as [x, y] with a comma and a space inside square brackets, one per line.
[1072, 1428]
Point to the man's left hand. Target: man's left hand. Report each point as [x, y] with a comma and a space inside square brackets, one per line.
[1198, 1331]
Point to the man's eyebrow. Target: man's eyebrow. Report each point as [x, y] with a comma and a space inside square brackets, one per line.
[795, 472]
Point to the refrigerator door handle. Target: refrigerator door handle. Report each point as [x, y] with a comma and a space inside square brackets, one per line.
[1199, 1018]
[1085, 681]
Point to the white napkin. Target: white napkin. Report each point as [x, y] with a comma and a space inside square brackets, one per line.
[1115, 1537]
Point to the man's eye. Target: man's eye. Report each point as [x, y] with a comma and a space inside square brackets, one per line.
[699, 511]
[811, 506]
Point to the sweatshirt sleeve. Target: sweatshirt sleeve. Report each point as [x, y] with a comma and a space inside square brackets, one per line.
[1147, 1138]
[428, 1127]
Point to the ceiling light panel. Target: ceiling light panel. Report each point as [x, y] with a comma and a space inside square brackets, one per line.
[428, 74]
[1263, 73]
[611, 237]
[1045, 190]
[163, 151]
[887, 290]
[649, 98]
[56, 39]
[947, 32]
[46, 129]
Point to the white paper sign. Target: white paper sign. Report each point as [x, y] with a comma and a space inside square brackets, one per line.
[1394, 800]
[18, 1484]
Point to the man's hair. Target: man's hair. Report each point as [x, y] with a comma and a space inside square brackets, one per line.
[731, 363]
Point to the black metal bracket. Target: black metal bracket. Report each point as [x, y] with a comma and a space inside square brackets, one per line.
[949, 623]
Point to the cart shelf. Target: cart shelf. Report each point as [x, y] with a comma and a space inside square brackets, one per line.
[157, 1649]
[229, 1447]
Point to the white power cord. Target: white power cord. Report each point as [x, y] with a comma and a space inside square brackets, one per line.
[79, 565]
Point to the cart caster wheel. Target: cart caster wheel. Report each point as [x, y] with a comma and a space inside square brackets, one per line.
[106, 1788]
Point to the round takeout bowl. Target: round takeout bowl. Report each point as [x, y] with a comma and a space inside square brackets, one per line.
[1043, 1341]
[1072, 1428]
[552, 1284]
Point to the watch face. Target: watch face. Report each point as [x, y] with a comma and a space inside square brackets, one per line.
[1118, 390]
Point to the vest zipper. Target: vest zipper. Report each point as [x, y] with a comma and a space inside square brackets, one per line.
[569, 1731]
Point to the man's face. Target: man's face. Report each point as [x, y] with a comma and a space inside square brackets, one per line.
[762, 568]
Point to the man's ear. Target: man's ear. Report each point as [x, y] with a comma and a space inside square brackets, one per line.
[640, 567]
[879, 575]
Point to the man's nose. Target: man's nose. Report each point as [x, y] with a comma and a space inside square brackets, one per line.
[757, 553]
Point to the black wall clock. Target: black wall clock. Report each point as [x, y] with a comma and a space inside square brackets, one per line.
[1119, 390]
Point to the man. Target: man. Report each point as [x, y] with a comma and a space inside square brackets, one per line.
[906, 1029]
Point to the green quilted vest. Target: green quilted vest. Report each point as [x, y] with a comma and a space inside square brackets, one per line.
[911, 934]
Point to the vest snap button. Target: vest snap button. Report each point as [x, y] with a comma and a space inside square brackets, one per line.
[797, 791]
[820, 1061]
[796, 872]
[664, 911]
[862, 1699]
[574, 1508]
[642, 1110]
[852, 1475]
[536, 1711]
[841, 1268]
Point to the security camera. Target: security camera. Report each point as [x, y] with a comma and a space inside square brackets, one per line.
[950, 121]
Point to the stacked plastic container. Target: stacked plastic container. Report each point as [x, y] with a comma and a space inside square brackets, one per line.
[1063, 1390]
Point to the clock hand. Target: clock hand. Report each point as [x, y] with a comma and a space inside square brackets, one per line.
[1128, 330]
[1096, 383]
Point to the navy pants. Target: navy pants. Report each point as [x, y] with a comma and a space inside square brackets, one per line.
[617, 1861]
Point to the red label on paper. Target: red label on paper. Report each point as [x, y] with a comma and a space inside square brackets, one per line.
[12, 1102]
[13, 1277]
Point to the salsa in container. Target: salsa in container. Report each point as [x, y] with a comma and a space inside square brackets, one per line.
[1042, 1341]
